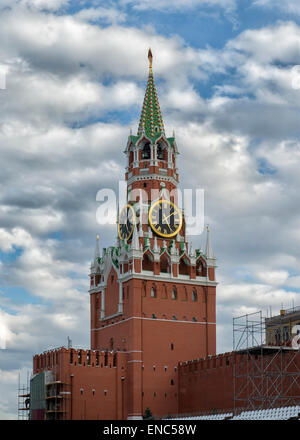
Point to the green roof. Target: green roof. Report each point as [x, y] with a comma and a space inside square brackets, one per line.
[134, 139]
[151, 118]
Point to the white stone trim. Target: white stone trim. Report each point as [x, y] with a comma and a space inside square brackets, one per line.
[167, 277]
[135, 417]
[152, 177]
[154, 319]
[120, 305]
[102, 306]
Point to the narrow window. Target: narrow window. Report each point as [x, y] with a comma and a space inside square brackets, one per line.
[194, 296]
[172, 346]
[160, 152]
[146, 152]
[111, 342]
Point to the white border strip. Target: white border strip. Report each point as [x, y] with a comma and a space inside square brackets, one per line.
[153, 319]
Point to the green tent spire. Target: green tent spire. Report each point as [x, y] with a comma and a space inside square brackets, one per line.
[151, 119]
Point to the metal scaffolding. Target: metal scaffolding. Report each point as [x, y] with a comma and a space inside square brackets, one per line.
[24, 398]
[265, 375]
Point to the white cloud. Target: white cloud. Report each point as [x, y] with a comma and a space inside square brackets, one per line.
[48, 5]
[286, 6]
[228, 5]
[109, 15]
[273, 277]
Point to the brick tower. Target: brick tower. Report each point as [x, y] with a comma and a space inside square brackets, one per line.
[153, 297]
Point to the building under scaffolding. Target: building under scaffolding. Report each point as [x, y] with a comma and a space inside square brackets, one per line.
[266, 375]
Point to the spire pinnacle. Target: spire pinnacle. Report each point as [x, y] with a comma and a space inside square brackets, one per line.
[150, 58]
[135, 240]
[208, 250]
[151, 122]
[97, 251]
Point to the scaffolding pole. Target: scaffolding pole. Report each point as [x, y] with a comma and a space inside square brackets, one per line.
[23, 398]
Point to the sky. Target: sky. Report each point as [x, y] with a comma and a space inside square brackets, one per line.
[72, 81]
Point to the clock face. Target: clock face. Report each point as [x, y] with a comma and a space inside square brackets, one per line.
[165, 218]
[126, 222]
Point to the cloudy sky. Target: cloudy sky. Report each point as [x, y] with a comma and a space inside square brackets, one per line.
[72, 78]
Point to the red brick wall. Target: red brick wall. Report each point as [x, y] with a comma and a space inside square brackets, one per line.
[208, 384]
[109, 399]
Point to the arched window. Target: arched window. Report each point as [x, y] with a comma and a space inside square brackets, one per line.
[146, 151]
[184, 266]
[194, 295]
[160, 152]
[153, 292]
[165, 264]
[147, 263]
[174, 293]
[130, 157]
[200, 269]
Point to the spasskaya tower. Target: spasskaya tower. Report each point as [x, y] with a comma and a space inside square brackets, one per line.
[153, 297]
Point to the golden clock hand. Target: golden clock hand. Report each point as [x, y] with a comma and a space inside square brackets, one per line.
[166, 217]
[165, 220]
